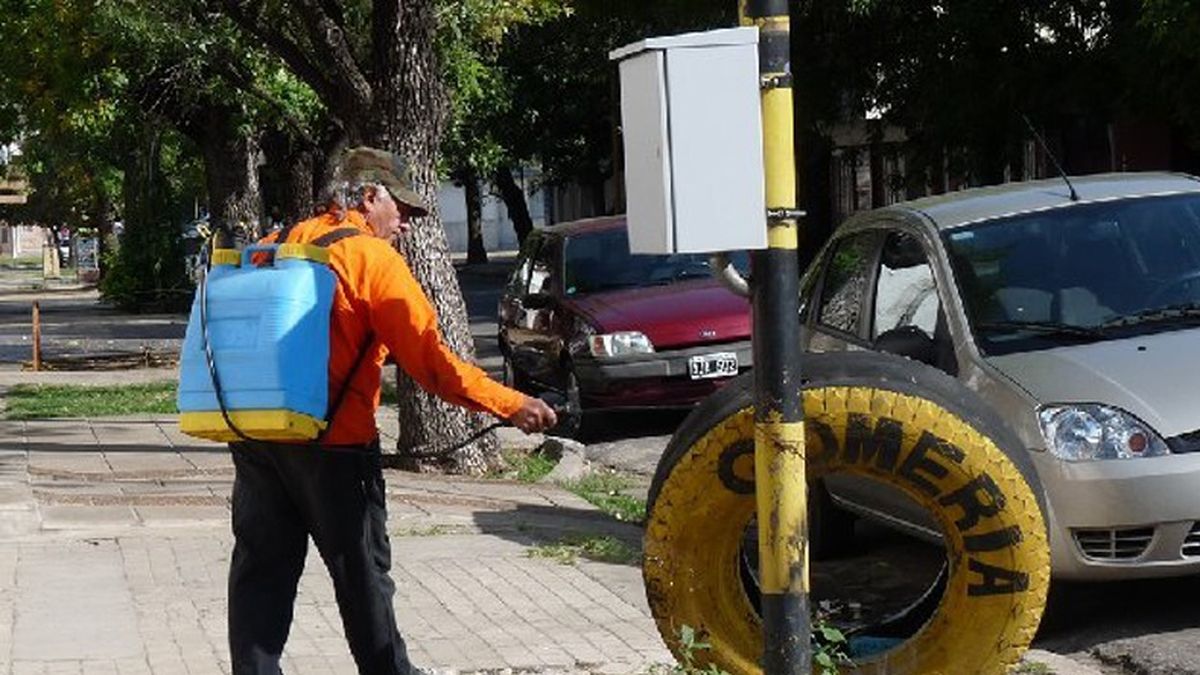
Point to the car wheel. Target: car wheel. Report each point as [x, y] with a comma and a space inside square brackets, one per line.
[875, 416]
[571, 424]
[512, 378]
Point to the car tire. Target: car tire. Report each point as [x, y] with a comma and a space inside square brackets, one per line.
[572, 424]
[513, 379]
[702, 499]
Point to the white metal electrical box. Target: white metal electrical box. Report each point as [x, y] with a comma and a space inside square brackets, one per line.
[692, 126]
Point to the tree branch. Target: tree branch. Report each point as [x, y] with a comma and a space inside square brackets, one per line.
[248, 15]
[334, 9]
[226, 70]
[326, 32]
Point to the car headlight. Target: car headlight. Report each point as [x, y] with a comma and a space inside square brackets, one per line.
[620, 344]
[1082, 432]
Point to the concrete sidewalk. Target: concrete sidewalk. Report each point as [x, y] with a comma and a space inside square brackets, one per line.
[114, 547]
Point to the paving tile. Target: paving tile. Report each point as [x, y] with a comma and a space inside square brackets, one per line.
[75, 517]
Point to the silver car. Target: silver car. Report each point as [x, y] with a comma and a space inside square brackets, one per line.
[1075, 313]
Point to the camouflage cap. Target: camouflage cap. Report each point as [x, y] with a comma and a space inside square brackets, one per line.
[371, 165]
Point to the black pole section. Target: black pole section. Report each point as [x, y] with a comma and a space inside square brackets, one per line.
[781, 488]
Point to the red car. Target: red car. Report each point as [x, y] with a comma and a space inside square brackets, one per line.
[582, 316]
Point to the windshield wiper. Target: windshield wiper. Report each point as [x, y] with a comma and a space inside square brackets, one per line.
[1053, 328]
[1156, 315]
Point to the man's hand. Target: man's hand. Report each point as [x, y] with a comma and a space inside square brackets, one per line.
[534, 416]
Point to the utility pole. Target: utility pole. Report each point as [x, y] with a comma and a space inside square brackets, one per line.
[37, 336]
[782, 491]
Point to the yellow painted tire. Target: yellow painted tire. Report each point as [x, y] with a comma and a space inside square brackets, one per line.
[909, 426]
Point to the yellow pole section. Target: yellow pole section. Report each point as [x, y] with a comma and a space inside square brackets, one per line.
[782, 545]
[780, 159]
[779, 461]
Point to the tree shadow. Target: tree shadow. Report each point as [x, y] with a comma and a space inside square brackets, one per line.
[533, 525]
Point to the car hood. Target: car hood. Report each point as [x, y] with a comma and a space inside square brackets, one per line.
[1154, 377]
[677, 315]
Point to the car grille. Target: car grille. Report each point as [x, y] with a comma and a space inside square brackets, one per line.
[1191, 543]
[1123, 544]
[1184, 443]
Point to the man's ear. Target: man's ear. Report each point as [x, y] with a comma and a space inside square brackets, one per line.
[370, 194]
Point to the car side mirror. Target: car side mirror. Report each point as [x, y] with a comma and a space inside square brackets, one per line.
[538, 301]
[907, 341]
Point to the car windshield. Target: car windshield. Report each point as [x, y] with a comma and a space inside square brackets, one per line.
[1080, 273]
[601, 261]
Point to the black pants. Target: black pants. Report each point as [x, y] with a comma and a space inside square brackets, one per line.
[281, 495]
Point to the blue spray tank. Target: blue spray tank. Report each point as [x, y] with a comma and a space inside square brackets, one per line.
[267, 328]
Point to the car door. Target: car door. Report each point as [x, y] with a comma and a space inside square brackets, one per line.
[836, 312]
[907, 303]
[878, 291]
[533, 335]
[515, 318]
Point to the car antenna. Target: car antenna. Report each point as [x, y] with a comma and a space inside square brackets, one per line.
[1046, 149]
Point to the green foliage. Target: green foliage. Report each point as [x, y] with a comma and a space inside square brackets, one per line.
[23, 263]
[113, 102]
[470, 36]
[828, 651]
[564, 88]
[38, 401]
[692, 645]
[605, 490]
[590, 547]
[1033, 668]
[526, 467]
[829, 648]
[1171, 30]
[437, 530]
[958, 76]
[147, 271]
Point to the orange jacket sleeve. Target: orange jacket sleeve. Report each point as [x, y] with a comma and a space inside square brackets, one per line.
[405, 321]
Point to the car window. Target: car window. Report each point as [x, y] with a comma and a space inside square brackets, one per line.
[601, 261]
[905, 293]
[1086, 272]
[541, 277]
[847, 272]
[808, 286]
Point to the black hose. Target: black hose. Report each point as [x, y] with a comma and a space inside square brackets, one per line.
[208, 354]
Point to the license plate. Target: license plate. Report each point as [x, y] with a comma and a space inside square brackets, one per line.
[713, 365]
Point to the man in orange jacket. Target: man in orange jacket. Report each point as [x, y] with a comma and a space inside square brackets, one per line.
[283, 493]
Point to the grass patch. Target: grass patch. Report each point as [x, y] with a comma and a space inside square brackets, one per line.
[37, 401]
[598, 548]
[1033, 668]
[526, 467]
[24, 263]
[431, 531]
[605, 490]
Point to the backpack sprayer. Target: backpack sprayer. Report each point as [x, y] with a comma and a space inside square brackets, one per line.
[264, 315]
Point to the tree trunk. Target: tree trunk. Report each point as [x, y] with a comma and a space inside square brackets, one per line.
[476, 251]
[231, 176]
[514, 201]
[141, 185]
[409, 116]
[152, 272]
[288, 178]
